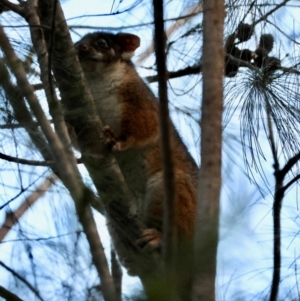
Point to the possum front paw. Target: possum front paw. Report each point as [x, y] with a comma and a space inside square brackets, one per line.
[151, 239]
[110, 139]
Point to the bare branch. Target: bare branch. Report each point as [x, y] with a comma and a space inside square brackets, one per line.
[291, 182]
[8, 295]
[264, 17]
[179, 73]
[24, 161]
[22, 279]
[169, 231]
[13, 217]
[45, 64]
[116, 271]
[278, 197]
[198, 69]
[288, 166]
[14, 7]
[113, 28]
[67, 169]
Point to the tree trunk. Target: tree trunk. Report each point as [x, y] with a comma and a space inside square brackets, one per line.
[206, 238]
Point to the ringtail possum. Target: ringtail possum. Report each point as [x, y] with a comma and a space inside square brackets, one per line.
[129, 111]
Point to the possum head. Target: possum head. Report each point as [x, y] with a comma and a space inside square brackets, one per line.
[99, 50]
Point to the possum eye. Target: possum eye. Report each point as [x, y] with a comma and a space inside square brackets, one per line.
[101, 43]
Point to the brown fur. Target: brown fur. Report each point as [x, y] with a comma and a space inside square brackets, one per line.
[130, 110]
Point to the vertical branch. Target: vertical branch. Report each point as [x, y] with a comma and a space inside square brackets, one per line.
[277, 204]
[169, 206]
[206, 238]
[116, 272]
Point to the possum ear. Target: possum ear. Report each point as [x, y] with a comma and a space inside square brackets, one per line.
[129, 43]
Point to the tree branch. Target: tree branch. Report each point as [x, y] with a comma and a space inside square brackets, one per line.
[14, 7]
[290, 163]
[24, 161]
[8, 295]
[13, 217]
[22, 279]
[44, 60]
[169, 231]
[208, 203]
[279, 192]
[179, 73]
[291, 182]
[264, 17]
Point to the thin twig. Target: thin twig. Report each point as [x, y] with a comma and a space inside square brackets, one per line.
[179, 73]
[64, 165]
[264, 17]
[30, 162]
[24, 161]
[22, 279]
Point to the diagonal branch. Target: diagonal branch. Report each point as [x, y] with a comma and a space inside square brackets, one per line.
[289, 164]
[264, 17]
[22, 279]
[8, 295]
[13, 217]
[14, 7]
[291, 182]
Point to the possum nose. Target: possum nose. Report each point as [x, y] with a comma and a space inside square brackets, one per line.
[82, 47]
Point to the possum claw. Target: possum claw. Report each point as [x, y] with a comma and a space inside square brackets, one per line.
[150, 240]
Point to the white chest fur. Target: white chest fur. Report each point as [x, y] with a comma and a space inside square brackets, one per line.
[105, 90]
